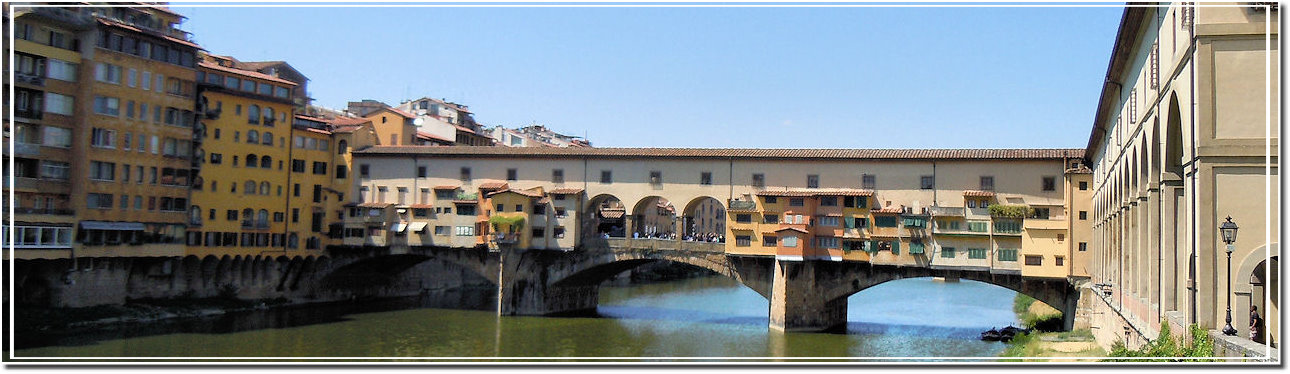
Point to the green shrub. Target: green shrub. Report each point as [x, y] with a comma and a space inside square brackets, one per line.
[1009, 210]
[1167, 346]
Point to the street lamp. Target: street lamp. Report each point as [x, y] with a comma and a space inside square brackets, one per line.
[1228, 229]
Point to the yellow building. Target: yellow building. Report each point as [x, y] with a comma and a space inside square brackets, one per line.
[240, 201]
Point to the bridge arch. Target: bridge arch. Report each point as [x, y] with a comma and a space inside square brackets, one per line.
[605, 214]
[703, 215]
[653, 215]
[840, 281]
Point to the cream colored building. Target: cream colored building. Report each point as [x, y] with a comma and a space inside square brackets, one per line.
[1185, 135]
[909, 189]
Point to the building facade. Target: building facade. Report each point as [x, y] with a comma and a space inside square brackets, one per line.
[1184, 137]
[1004, 211]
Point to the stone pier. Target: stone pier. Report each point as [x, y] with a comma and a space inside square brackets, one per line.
[798, 302]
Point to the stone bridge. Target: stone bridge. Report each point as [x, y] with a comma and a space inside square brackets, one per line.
[803, 295]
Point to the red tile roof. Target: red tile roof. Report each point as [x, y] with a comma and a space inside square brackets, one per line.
[375, 205]
[785, 193]
[805, 192]
[160, 35]
[445, 187]
[429, 136]
[347, 121]
[532, 194]
[612, 213]
[794, 229]
[345, 129]
[565, 191]
[247, 73]
[977, 193]
[493, 186]
[891, 209]
[740, 153]
[421, 206]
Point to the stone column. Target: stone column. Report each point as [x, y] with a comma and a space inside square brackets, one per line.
[524, 290]
[798, 302]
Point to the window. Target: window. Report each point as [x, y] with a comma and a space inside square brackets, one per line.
[828, 201]
[796, 201]
[771, 199]
[363, 171]
[341, 172]
[253, 115]
[655, 177]
[790, 241]
[560, 212]
[298, 166]
[606, 176]
[320, 168]
[743, 218]
[109, 106]
[54, 170]
[827, 221]
[441, 230]
[248, 86]
[1033, 260]
[518, 208]
[98, 201]
[813, 181]
[465, 230]
[512, 174]
[538, 209]
[104, 171]
[826, 242]
[1007, 254]
[743, 240]
[947, 252]
[267, 139]
[421, 171]
[61, 70]
[769, 218]
[987, 183]
[976, 253]
[558, 232]
[1050, 183]
[1039, 213]
[1083, 186]
[927, 182]
[1083, 215]
[57, 137]
[1059, 260]
[868, 181]
[59, 104]
[539, 232]
[885, 221]
[131, 77]
[107, 73]
[465, 174]
[759, 180]
[769, 240]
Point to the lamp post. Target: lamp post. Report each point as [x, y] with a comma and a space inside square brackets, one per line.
[1228, 229]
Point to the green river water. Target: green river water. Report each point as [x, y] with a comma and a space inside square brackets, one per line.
[702, 317]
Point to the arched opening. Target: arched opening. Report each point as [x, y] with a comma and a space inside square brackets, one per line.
[654, 217]
[1264, 290]
[251, 161]
[1174, 140]
[252, 137]
[704, 218]
[439, 282]
[940, 308]
[266, 162]
[608, 217]
[248, 188]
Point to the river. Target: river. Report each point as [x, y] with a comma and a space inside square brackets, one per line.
[700, 317]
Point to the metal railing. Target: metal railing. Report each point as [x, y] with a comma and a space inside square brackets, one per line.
[945, 211]
[665, 244]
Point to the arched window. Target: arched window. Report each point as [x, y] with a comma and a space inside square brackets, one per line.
[253, 114]
[266, 162]
[252, 161]
[264, 188]
[248, 217]
[293, 241]
[268, 116]
[252, 137]
[194, 215]
[248, 188]
[262, 218]
[268, 138]
[342, 147]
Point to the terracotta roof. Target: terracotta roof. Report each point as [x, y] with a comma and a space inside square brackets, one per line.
[890, 209]
[320, 131]
[401, 113]
[565, 191]
[612, 213]
[793, 229]
[345, 129]
[156, 34]
[429, 136]
[531, 194]
[248, 73]
[421, 206]
[446, 187]
[493, 186]
[978, 193]
[375, 205]
[464, 128]
[1079, 170]
[743, 153]
[466, 201]
[804, 192]
[347, 121]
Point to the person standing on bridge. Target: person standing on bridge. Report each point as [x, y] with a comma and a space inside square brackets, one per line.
[1256, 325]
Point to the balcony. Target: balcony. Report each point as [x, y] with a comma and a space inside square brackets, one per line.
[942, 211]
[1052, 223]
[31, 79]
[47, 211]
[744, 206]
[977, 212]
[26, 149]
[510, 238]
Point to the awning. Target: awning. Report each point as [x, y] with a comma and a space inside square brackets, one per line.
[115, 226]
[418, 226]
[398, 227]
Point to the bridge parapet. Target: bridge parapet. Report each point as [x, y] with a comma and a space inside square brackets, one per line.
[666, 245]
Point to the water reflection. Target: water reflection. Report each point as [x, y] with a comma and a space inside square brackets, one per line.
[706, 317]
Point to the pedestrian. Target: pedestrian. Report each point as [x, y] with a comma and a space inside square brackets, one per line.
[1256, 325]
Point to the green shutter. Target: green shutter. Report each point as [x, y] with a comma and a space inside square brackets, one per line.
[895, 247]
[873, 247]
[915, 248]
[862, 202]
[850, 222]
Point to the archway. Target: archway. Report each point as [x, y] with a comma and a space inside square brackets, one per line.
[654, 217]
[607, 216]
[704, 217]
[1174, 139]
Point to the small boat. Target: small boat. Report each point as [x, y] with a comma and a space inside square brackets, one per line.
[991, 335]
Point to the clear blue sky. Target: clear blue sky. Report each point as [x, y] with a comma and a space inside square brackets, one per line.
[899, 77]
